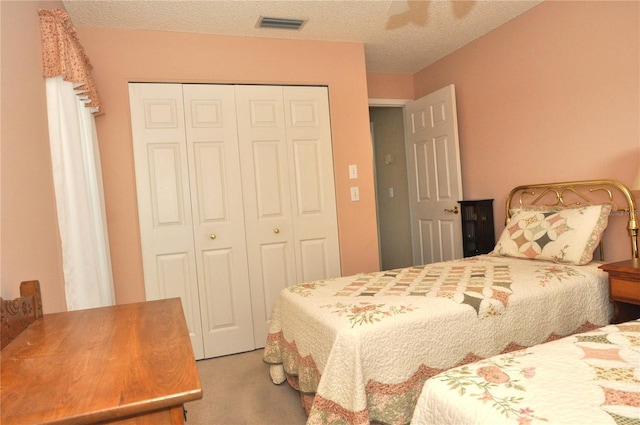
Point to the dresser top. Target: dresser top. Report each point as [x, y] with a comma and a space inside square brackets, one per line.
[98, 364]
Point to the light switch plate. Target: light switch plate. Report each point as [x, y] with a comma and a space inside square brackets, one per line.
[353, 171]
[355, 193]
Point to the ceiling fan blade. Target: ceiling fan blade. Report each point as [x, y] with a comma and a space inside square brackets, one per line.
[395, 22]
[461, 8]
[417, 14]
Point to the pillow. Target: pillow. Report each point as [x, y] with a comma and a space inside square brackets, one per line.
[559, 234]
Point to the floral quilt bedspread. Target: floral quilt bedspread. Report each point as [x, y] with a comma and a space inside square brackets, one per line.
[588, 378]
[359, 348]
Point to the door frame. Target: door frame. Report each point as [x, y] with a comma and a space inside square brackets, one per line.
[389, 103]
[399, 103]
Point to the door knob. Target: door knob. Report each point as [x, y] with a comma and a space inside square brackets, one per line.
[452, 210]
[213, 236]
[276, 230]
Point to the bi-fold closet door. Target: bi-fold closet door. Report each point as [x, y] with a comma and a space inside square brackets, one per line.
[236, 201]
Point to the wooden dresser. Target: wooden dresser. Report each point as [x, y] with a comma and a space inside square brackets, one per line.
[126, 364]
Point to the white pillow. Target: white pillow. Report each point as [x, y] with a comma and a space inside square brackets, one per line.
[559, 234]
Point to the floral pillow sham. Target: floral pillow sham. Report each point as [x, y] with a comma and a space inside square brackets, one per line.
[559, 234]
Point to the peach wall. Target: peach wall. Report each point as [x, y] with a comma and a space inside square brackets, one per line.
[390, 86]
[122, 56]
[30, 244]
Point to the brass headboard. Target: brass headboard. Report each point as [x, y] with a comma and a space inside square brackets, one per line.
[583, 192]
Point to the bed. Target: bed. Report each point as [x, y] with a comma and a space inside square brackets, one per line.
[359, 348]
[588, 378]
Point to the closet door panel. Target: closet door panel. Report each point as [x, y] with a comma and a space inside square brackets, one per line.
[267, 200]
[211, 181]
[275, 259]
[164, 205]
[313, 255]
[218, 273]
[218, 218]
[267, 164]
[175, 280]
[165, 189]
[314, 215]
[308, 185]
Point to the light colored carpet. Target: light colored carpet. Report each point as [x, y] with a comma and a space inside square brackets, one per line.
[237, 390]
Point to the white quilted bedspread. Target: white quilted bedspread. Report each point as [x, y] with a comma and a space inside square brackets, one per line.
[588, 378]
[362, 346]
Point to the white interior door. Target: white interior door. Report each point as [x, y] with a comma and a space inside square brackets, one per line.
[435, 182]
[164, 201]
[218, 219]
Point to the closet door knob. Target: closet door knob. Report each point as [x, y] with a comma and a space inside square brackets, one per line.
[213, 236]
[276, 230]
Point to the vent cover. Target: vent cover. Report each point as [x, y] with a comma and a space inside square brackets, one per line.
[281, 23]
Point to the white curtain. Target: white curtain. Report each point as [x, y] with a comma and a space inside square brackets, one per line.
[79, 197]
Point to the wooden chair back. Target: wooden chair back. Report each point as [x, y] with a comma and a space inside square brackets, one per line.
[19, 313]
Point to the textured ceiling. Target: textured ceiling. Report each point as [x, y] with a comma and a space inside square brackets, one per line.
[399, 36]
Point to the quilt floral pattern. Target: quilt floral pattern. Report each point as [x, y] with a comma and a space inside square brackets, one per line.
[592, 377]
[556, 273]
[481, 384]
[367, 313]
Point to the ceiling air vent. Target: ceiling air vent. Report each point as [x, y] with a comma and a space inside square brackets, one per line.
[282, 23]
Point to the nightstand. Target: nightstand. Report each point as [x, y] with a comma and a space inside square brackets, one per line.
[624, 289]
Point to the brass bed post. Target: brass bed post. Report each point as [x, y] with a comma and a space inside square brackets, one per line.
[632, 224]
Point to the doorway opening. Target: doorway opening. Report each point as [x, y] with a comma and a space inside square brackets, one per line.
[392, 189]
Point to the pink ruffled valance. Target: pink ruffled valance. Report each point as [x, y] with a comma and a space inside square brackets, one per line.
[62, 55]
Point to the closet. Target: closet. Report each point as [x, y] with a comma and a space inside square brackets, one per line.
[236, 201]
